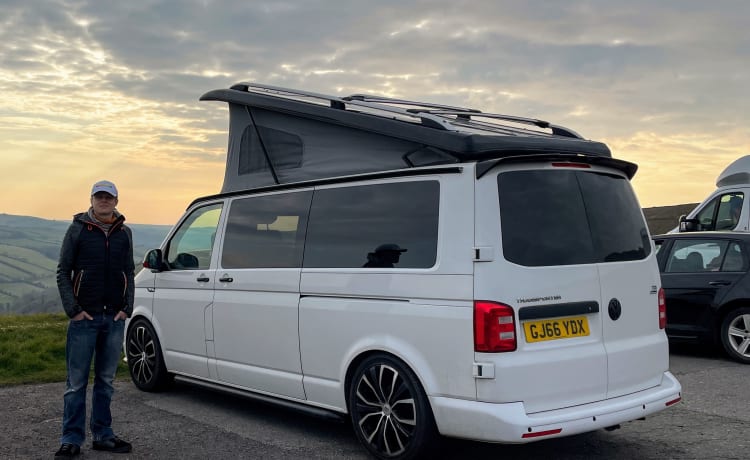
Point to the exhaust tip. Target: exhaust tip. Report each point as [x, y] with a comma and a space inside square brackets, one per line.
[613, 427]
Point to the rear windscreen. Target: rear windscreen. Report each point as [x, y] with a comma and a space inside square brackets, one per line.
[564, 217]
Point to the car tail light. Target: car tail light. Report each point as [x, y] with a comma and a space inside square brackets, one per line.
[662, 310]
[494, 327]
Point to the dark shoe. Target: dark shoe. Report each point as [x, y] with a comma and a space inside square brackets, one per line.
[115, 445]
[67, 451]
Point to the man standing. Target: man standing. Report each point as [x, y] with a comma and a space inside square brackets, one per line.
[95, 279]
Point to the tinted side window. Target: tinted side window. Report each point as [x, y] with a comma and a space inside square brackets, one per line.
[562, 217]
[383, 225]
[730, 208]
[721, 213]
[735, 259]
[615, 218]
[266, 231]
[706, 215]
[191, 246]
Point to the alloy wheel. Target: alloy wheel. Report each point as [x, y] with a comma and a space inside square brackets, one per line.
[386, 414]
[142, 356]
[738, 334]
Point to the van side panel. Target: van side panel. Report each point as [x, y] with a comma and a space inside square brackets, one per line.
[435, 341]
[255, 314]
[180, 304]
[422, 316]
[255, 330]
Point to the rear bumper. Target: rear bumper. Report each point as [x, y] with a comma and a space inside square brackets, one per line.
[509, 422]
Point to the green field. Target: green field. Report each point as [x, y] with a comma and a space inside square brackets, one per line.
[32, 349]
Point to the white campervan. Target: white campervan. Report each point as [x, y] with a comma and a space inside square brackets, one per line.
[726, 208]
[423, 270]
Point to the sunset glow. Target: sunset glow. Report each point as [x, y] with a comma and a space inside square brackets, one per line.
[96, 91]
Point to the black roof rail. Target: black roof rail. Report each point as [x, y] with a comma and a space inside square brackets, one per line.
[341, 102]
[388, 100]
[439, 116]
[461, 113]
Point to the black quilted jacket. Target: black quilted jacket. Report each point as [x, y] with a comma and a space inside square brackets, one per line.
[96, 268]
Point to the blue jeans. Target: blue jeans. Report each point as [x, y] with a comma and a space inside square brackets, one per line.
[100, 340]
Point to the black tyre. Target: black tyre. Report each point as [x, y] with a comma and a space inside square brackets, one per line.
[735, 334]
[145, 360]
[390, 412]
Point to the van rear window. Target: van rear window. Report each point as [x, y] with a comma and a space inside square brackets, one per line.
[563, 217]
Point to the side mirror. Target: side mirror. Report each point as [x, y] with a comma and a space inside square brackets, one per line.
[154, 260]
[689, 225]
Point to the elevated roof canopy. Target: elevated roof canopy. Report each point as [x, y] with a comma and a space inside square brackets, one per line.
[281, 135]
[737, 173]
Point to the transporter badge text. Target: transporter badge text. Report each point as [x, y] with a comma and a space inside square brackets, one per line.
[547, 298]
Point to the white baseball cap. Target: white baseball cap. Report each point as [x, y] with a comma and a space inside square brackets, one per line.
[104, 186]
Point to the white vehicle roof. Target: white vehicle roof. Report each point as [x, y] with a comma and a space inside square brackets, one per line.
[738, 172]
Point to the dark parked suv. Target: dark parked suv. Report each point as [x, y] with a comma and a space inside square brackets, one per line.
[707, 289]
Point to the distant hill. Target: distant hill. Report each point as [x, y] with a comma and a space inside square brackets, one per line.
[29, 249]
[30, 246]
[664, 218]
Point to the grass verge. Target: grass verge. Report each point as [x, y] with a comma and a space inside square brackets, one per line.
[32, 349]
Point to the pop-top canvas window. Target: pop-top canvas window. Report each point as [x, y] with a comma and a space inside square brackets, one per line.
[284, 149]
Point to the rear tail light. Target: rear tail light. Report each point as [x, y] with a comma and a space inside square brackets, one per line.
[662, 310]
[494, 327]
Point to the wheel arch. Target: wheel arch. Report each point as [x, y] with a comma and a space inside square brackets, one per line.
[357, 359]
[159, 378]
[721, 314]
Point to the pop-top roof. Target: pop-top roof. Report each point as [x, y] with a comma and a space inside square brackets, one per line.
[737, 173]
[280, 135]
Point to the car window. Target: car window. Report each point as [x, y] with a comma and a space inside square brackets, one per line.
[266, 231]
[381, 225]
[721, 213]
[736, 259]
[563, 217]
[693, 256]
[705, 216]
[192, 244]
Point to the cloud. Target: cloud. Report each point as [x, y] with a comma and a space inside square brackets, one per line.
[124, 78]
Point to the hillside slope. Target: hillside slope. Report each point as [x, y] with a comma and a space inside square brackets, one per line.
[29, 249]
[664, 218]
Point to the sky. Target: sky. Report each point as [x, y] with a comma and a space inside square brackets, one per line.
[96, 89]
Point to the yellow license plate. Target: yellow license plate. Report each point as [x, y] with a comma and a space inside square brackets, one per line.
[551, 329]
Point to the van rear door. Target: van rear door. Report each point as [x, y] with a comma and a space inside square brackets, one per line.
[572, 243]
[637, 350]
